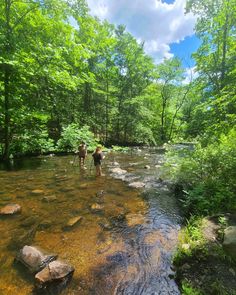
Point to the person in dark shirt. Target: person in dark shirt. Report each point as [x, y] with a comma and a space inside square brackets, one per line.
[97, 158]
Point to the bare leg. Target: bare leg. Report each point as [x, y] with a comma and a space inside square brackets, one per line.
[98, 170]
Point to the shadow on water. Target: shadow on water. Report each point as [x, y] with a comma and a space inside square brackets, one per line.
[124, 241]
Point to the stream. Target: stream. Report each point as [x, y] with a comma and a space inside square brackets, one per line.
[124, 247]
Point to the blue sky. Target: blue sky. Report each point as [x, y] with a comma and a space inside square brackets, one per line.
[162, 24]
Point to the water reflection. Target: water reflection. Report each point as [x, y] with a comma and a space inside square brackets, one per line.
[122, 247]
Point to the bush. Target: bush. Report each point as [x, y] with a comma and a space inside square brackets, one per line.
[72, 135]
[207, 175]
[32, 141]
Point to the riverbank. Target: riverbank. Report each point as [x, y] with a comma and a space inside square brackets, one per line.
[204, 261]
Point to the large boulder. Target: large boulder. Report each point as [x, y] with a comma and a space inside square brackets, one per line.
[55, 272]
[229, 243]
[10, 209]
[34, 259]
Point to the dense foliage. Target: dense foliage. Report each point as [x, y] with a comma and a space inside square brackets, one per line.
[61, 67]
[65, 76]
[207, 175]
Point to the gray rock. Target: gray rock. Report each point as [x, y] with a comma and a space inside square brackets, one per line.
[55, 271]
[229, 243]
[147, 167]
[137, 184]
[118, 171]
[10, 209]
[34, 259]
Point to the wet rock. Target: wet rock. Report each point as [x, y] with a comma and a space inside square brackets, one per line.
[73, 221]
[10, 209]
[54, 272]
[147, 167]
[118, 171]
[135, 219]
[96, 207]
[229, 243]
[115, 164]
[137, 184]
[28, 222]
[34, 259]
[38, 192]
[45, 225]
[49, 199]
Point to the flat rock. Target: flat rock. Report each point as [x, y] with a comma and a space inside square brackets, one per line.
[118, 171]
[73, 221]
[135, 219]
[55, 271]
[34, 259]
[229, 243]
[96, 207]
[37, 192]
[49, 199]
[137, 184]
[10, 209]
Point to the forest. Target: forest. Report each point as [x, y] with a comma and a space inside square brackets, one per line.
[62, 83]
[66, 77]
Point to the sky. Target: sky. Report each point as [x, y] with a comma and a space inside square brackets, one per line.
[161, 24]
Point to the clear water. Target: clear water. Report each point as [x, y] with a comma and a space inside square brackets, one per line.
[124, 249]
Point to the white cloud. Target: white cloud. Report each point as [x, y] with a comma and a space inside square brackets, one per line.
[190, 75]
[157, 23]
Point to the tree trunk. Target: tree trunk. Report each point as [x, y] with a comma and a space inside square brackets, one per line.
[6, 149]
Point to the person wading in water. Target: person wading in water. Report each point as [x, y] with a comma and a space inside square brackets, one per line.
[82, 153]
[97, 158]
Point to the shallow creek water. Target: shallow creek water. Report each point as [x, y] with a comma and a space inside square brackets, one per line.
[125, 248]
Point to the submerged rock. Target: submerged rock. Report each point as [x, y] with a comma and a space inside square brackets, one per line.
[96, 207]
[34, 259]
[229, 243]
[137, 184]
[54, 272]
[135, 219]
[48, 199]
[73, 222]
[37, 192]
[22, 237]
[10, 209]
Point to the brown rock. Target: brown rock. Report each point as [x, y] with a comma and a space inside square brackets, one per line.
[54, 271]
[96, 207]
[34, 259]
[73, 221]
[10, 209]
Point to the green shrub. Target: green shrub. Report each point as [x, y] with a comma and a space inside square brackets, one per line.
[207, 175]
[72, 135]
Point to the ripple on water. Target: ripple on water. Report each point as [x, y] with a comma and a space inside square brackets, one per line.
[124, 250]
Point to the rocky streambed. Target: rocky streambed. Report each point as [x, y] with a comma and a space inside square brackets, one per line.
[117, 232]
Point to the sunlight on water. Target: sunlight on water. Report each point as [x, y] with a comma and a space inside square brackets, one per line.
[124, 247]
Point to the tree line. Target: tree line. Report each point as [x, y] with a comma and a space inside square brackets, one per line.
[56, 78]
